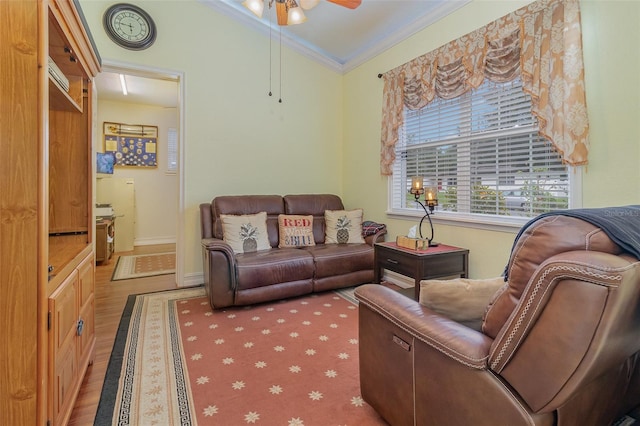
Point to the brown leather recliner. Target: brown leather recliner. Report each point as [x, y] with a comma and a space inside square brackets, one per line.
[559, 343]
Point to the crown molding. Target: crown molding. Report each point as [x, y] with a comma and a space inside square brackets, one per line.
[234, 10]
[388, 41]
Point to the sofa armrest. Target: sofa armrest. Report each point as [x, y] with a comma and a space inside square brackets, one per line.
[373, 232]
[378, 237]
[458, 342]
[220, 277]
[217, 244]
[206, 228]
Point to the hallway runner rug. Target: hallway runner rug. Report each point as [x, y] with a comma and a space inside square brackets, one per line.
[289, 363]
[144, 265]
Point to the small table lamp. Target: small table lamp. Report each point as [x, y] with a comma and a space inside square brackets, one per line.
[431, 201]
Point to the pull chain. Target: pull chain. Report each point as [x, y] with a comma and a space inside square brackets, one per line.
[280, 100]
[270, 54]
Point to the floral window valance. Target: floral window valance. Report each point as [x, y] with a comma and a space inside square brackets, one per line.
[541, 43]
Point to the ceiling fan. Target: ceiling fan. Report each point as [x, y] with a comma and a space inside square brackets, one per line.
[289, 12]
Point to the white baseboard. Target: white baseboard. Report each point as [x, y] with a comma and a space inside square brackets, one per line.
[154, 241]
[192, 279]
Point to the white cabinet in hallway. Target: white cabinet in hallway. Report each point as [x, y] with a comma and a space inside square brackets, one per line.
[120, 193]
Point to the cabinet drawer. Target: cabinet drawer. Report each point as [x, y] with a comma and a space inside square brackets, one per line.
[397, 262]
[445, 265]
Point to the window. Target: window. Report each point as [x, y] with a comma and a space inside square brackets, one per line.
[483, 152]
[172, 151]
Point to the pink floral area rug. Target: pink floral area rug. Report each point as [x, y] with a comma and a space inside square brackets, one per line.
[290, 363]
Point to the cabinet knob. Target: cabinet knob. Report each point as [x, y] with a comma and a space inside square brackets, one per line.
[80, 327]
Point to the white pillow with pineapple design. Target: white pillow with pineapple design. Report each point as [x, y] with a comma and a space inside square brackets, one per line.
[245, 233]
[343, 226]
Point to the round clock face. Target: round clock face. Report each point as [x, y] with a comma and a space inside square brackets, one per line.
[129, 26]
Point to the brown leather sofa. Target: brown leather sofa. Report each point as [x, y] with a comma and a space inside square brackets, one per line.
[559, 344]
[277, 273]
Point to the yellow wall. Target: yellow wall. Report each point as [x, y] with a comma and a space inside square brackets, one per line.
[325, 136]
[612, 64]
[238, 140]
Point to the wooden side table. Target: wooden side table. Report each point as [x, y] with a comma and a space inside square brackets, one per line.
[435, 262]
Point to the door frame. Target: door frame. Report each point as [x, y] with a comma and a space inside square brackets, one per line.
[179, 78]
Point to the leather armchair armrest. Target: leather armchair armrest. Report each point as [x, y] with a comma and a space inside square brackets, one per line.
[456, 341]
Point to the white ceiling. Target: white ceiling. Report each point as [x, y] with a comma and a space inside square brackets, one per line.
[343, 38]
[334, 36]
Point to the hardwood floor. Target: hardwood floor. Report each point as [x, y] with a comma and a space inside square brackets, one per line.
[111, 298]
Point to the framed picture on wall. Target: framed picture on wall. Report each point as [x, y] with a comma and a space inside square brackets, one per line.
[133, 145]
[105, 161]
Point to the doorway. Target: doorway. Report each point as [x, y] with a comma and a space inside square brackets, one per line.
[135, 95]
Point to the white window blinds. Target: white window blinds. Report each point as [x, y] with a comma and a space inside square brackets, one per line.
[483, 151]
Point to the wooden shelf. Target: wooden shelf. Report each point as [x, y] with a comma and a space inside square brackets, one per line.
[62, 52]
[63, 250]
[60, 100]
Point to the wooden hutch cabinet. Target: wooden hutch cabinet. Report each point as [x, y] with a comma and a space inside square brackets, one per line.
[46, 209]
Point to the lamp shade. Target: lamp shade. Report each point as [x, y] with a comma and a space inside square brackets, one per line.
[309, 4]
[430, 193]
[296, 16]
[417, 182]
[255, 6]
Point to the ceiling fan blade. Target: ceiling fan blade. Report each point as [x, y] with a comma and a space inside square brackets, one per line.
[281, 13]
[351, 4]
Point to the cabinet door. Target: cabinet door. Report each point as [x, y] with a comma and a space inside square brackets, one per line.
[86, 301]
[63, 361]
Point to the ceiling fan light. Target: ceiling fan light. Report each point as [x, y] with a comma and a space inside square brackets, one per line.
[309, 4]
[296, 16]
[255, 6]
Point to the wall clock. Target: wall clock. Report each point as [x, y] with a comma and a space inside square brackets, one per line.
[129, 26]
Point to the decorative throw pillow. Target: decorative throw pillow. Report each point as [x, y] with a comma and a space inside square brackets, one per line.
[295, 231]
[245, 233]
[343, 226]
[462, 300]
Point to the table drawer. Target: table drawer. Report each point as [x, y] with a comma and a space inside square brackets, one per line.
[397, 263]
[445, 265]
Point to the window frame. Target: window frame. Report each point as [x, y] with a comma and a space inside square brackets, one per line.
[476, 220]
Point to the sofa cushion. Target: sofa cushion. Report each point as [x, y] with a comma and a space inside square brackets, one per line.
[343, 226]
[314, 205]
[462, 300]
[245, 233]
[295, 230]
[273, 266]
[339, 259]
[248, 204]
